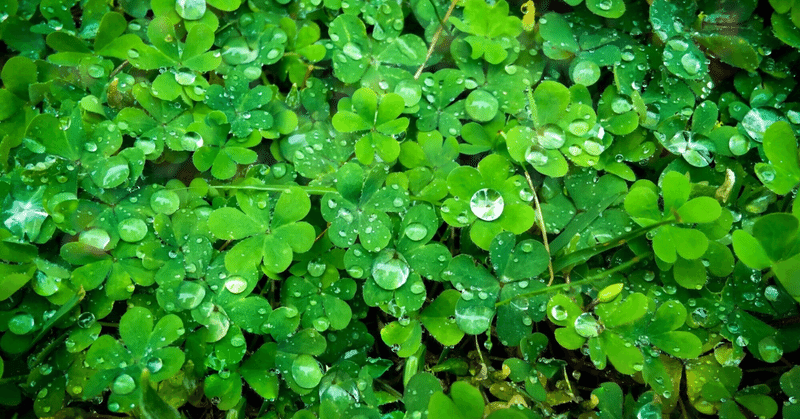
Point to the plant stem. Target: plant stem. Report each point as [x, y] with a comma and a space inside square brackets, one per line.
[540, 217]
[586, 280]
[311, 190]
[435, 38]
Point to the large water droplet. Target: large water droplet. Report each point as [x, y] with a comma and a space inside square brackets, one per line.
[236, 284]
[96, 71]
[771, 293]
[487, 204]
[390, 270]
[738, 144]
[85, 320]
[586, 325]
[124, 384]
[551, 136]
[21, 324]
[766, 173]
[165, 201]
[353, 51]
[770, 349]
[416, 231]
[155, 364]
[558, 312]
[690, 63]
[185, 78]
[190, 9]
[306, 371]
[190, 294]
[132, 230]
[96, 237]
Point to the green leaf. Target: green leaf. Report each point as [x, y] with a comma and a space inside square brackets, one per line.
[231, 224]
[702, 209]
[437, 316]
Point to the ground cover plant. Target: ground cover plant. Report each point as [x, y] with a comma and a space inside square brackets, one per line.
[399, 209]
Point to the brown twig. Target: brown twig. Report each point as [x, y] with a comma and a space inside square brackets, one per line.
[118, 69]
[435, 38]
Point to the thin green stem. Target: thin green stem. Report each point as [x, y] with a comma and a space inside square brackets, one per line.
[13, 379]
[311, 190]
[586, 280]
[540, 216]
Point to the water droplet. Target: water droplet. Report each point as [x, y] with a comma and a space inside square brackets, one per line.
[236, 284]
[154, 364]
[133, 54]
[390, 270]
[586, 325]
[316, 267]
[353, 51]
[536, 156]
[124, 384]
[190, 9]
[190, 294]
[132, 230]
[416, 231]
[771, 293]
[551, 136]
[558, 312]
[96, 71]
[690, 63]
[85, 320]
[487, 204]
[306, 371]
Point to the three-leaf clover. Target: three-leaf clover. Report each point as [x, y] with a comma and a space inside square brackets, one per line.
[487, 199]
[674, 245]
[119, 364]
[241, 105]
[359, 209]
[364, 112]
[270, 229]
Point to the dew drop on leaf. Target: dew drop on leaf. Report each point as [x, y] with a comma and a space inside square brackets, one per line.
[353, 51]
[551, 136]
[390, 270]
[154, 364]
[21, 324]
[190, 294]
[306, 371]
[96, 71]
[190, 9]
[123, 384]
[558, 312]
[416, 231]
[85, 320]
[132, 230]
[771, 293]
[236, 284]
[487, 204]
[586, 326]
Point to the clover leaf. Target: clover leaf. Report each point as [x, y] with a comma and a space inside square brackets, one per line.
[438, 111]
[256, 40]
[360, 208]
[492, 30]
[270, 229]
[562, 125]
[241, 105]
[680, 246]
[366, 113]
[771, 245]
[143, 345]
[156, 124]
[487, 200]
[213, 149]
